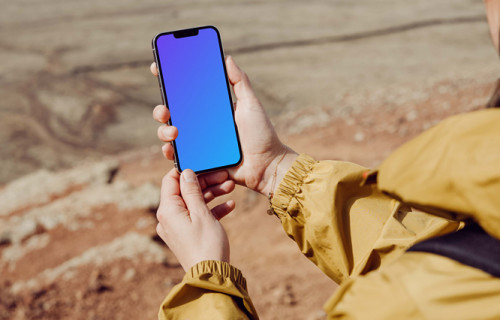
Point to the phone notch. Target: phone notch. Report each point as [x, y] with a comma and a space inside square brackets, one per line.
[186, 33]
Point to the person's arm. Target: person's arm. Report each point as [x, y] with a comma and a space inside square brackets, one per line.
[211, 288]
[344, 226]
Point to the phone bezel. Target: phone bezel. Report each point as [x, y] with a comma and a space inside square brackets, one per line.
[185, 33]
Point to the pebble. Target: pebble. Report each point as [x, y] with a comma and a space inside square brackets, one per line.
[359, 136]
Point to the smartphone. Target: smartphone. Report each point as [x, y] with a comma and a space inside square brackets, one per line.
[195, 88]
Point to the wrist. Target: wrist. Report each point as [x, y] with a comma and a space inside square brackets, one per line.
[279, 166]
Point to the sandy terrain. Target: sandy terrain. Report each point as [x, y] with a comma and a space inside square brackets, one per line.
[84, 246]
[81, 167]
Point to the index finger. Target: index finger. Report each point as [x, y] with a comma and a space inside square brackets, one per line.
[154, 69]
[170, 194]
[161, 113]
[212, 178]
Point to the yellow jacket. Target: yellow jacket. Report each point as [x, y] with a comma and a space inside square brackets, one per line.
[357, 232]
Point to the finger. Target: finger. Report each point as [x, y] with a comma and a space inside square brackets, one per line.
[168, 151]
[191, 194]
[212, 178]
[239, 80]
[223, 210]
[215, 191]
[170, 196]
[161, 114]
[167, 133]
[170, 185]
[154, 69]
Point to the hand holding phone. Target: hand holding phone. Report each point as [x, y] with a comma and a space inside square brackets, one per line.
[195, 89]
[260, 144]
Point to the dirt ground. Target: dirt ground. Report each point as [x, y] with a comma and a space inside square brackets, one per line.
[84, 247]
[81, 168]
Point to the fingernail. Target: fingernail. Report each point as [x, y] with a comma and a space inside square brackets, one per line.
[157, 113]
[166, 132]
[208, 195]
[189, 175]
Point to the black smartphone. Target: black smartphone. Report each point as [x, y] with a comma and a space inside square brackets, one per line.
[195, 88]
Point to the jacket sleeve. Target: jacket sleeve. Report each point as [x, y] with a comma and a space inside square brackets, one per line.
[343, 226]
[209, 290]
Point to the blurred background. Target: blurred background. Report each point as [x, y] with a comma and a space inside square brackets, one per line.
[80, 164]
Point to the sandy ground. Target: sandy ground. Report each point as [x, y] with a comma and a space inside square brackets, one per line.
[84, 247]
[80, 165]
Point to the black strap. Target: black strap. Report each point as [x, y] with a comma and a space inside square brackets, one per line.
[471, 246]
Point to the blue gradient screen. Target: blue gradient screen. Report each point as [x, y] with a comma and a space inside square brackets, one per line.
[196, 93]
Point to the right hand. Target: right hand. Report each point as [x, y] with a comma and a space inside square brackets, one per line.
[186, 224]
[260, 144]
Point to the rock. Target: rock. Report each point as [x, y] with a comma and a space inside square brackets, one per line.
[17, 250]
[34, 189]
[97, 283]
[5, 239]
[359, 136]
[129, 274]
[317, 315]
[412, 115]
[285, 295]
[67, 211]
[131, 246]
[145, 222]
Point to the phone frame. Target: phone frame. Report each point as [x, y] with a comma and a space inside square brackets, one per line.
[187, 33]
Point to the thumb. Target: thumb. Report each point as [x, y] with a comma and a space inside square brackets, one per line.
[191, 194]
[239, 79]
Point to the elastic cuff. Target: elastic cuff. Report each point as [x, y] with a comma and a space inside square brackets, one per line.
[224, 269]
[291, 183]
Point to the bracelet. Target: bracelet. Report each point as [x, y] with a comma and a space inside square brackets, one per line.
[270, 211]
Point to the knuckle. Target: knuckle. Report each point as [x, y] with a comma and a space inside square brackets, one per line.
[165, 180]
[192, 191]
[160, 215]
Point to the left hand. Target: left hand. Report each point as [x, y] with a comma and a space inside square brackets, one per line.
[190, 229]
[261, 147]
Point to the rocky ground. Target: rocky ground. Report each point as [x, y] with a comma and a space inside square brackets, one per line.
[81, 168]
[81, 243]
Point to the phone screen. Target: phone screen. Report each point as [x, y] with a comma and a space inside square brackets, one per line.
[193, 78]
